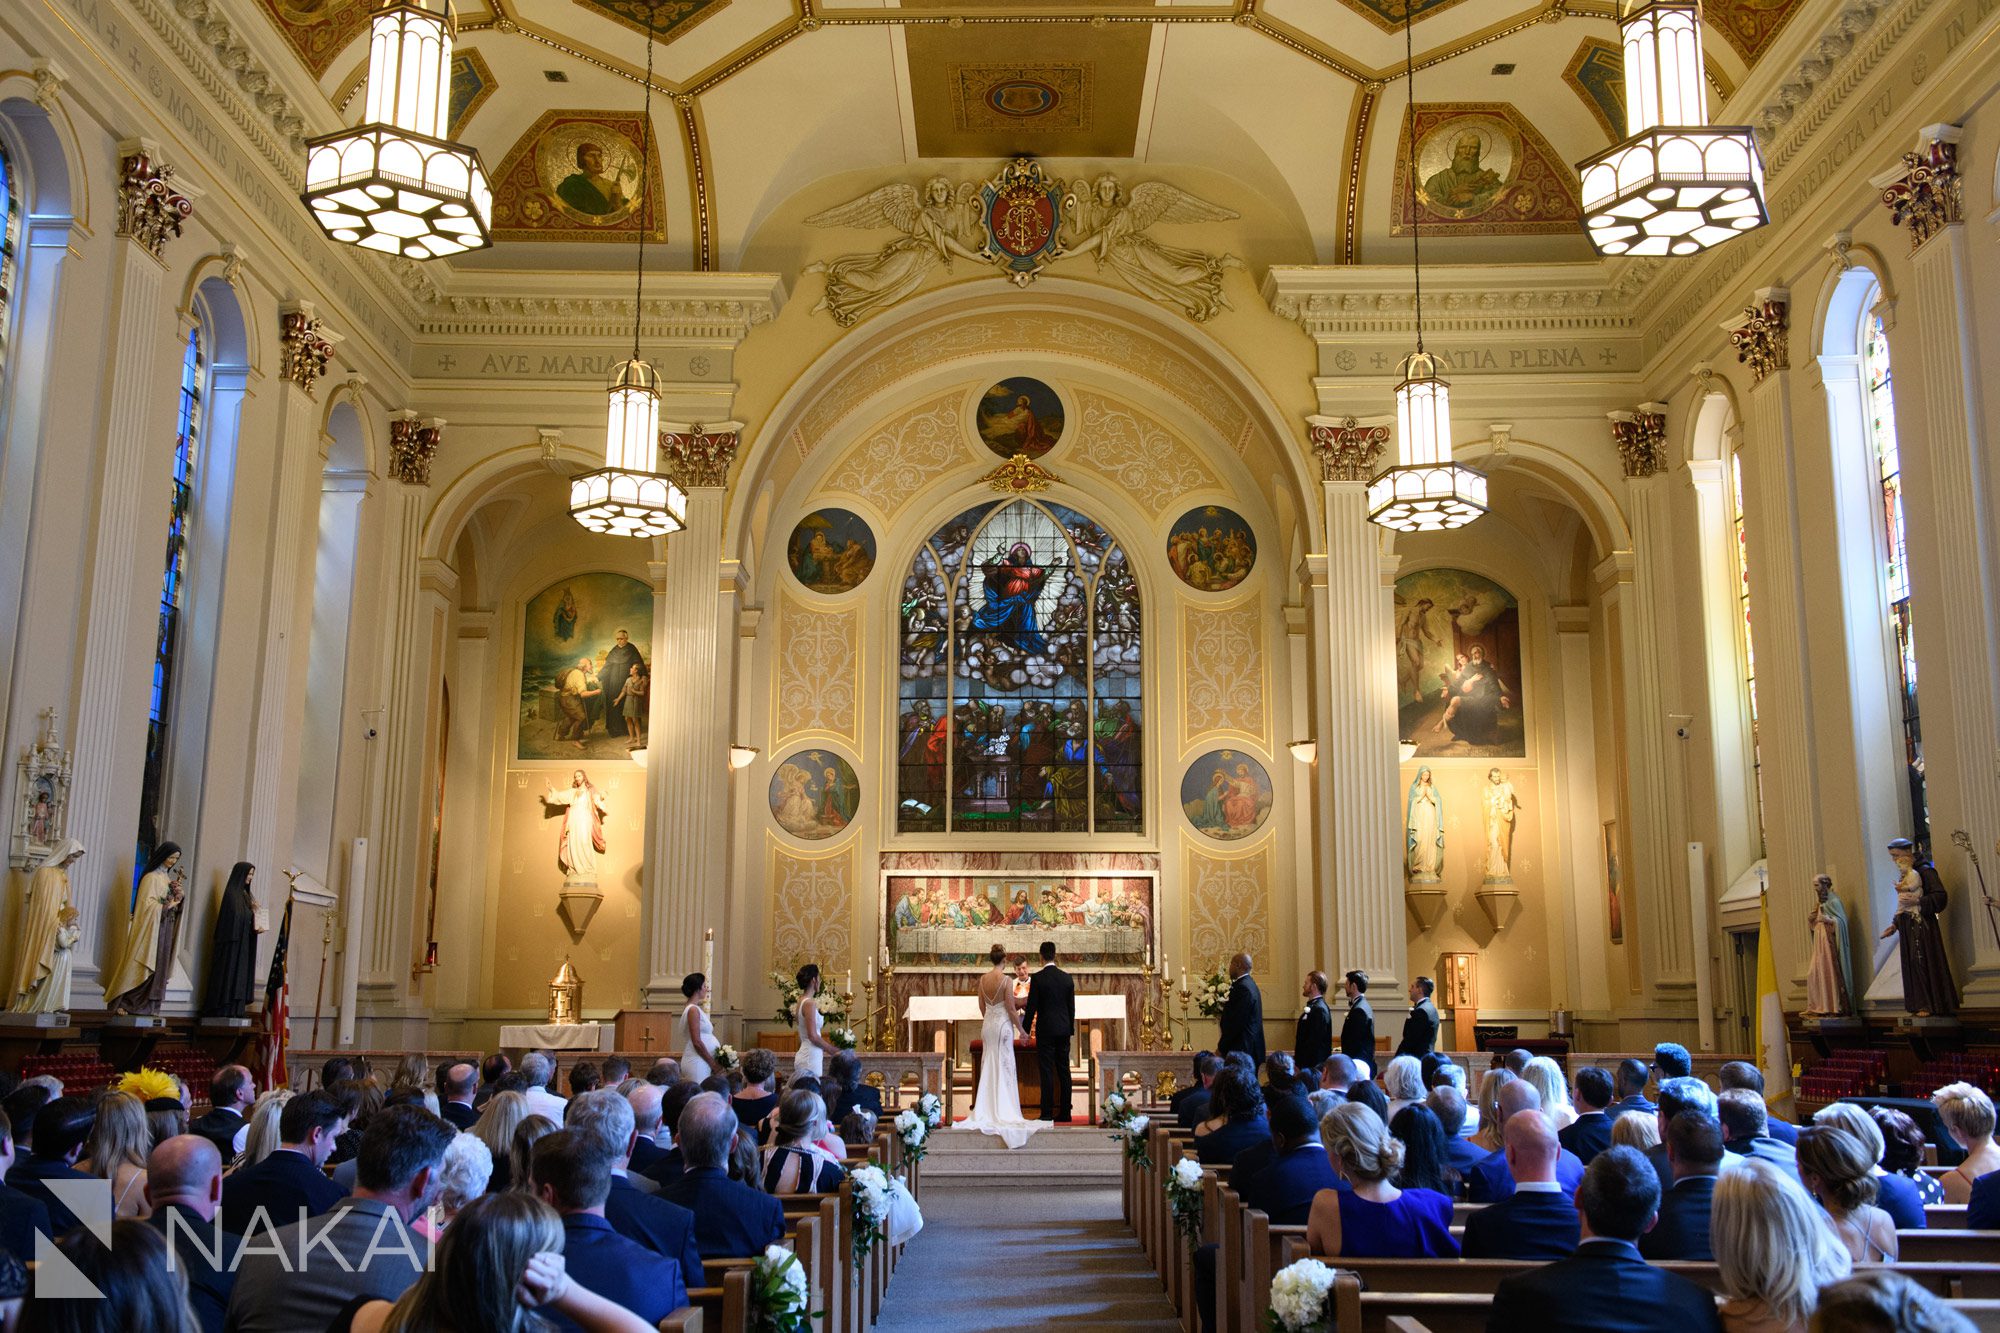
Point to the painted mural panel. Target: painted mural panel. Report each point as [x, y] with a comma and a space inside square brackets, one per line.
[1482, 170]
[1226, 795]
[814, 795]
[585, 680]
[1020, 416]
[831, 550]
[575, 176]
[948, 921]
[1458, 666]
[1212, 549]
[317, 30]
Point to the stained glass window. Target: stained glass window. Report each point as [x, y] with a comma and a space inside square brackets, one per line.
[1020, 708]
[173, 594]
[1895, 553]
[10, 238]
[1744, 623]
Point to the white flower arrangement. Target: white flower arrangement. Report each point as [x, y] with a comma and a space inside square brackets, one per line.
[726, 1058]
[931, 1107]
[841, 1037]
[1210, 991]
[875, 1190]
[1133, 1132]
[779, 1296]
[1298, 1298]
[1183, 1185]
[914, 1131]
[1188, 1172]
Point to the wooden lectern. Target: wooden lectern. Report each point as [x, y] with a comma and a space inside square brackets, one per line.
[1458, 990]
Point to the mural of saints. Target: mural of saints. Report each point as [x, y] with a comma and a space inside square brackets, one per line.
[1458, 666]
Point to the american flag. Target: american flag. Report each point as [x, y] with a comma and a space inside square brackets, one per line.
[277, 1008]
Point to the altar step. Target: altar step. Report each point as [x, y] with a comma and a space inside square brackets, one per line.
[1060, 1157]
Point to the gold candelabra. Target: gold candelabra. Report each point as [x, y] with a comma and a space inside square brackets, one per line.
[1146, 1007]
[865, 1031]
[887, 1041]
[1187, 1024]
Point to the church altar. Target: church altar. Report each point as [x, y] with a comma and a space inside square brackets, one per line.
[555, 1036]
[954, 1009]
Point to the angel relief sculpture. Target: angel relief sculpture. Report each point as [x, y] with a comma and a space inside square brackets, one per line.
[938, 225]
[1105, 221]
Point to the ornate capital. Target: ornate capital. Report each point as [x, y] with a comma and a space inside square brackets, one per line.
[1346, 450]
[49, 80]
[1927, 194]
[700, 455]
[1019, 475]
[413, 442]
[151, 207]
[1762, 340]
[1641, 438]
[305, 346]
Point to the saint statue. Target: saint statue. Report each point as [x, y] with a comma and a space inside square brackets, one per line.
[136, 981]
[1424, 829]
[30, 988]
[52, 996]
[1829, 983]
[232, 957]
[1501, 805]
[581, 840]
[1920, 896]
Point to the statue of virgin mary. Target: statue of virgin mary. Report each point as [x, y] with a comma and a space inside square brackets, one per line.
[1424, 829]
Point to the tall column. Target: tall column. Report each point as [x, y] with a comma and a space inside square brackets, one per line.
[1361, 860]
[1961, 739]
[109, 706]
[687, 752]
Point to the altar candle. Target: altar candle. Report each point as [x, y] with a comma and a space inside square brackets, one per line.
[1165, 968]
[871, 970]
[708, 953]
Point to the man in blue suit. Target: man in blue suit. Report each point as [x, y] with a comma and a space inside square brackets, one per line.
[573, 1176]
[1694, 1151]
[667, 1229]
[1679, 1095]
[1591, 1132]
[1743, 1074]
[1189, 1105]
[1607, 1287]
[1746, 1130]
[1489, 1180]
[21, 1217]
[1447, 1103]
[730, 1218]
[289, 1183]
[1297, 1167]
[1982, 1210]
[61, 1130]
[1631, 1089]
[1536, 1221]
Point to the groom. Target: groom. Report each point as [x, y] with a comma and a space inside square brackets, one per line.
[1050, 1015]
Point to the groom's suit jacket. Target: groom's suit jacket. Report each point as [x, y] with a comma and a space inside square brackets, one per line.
[1242, 1020]
[1050, 1009]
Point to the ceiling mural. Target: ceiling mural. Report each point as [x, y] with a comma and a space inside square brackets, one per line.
[1482, 169]
[670, 18]
[1749, 25]
[472, 82]
[1597, 74]
[317, 30]
[1003, 89]
[574, 176]
[1389, 14]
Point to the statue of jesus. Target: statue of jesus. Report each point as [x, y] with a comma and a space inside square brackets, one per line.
[581, 839]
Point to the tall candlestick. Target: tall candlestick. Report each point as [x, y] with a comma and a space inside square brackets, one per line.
[708, 954]
[871, 971]
[1166, 969]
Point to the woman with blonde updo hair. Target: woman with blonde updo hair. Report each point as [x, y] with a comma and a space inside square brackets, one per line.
[1968, 1113]
[1773, 1250]
[1490, 1083]
[1837, 1171]
[1374, 1219]
[1636, 1131]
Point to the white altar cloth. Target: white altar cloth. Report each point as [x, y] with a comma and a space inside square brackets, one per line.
[965, 1009]
[556, 1036]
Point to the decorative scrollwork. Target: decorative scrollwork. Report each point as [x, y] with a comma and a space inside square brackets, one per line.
[1019, 475]
[150, 209]
[1762, 340]
[1346, 451]
[699, 455]
[1929, 195]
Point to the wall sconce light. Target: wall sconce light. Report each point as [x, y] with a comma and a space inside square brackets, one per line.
[1305, 752]
[639, 756]
[1406, 751]
[742, 756]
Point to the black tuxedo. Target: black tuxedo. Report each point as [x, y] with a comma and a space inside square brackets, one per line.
[1314, 1040]
[1222, 1145]
[1050, 1014]
[461, 1116]
[1982, 1210]
[1607, 1286]
[1420, 1030]
[219, 1127]
[1194, 1109]
[1682, 1231]
[1524, 1225]
[283, 1185]
[1589, 1136]
[1242, 1020]
[1357, 1033]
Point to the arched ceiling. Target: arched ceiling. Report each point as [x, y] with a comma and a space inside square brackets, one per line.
[1301, 101]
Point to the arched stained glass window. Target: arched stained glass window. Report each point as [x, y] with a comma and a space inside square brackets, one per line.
[10, 239]
[1020, 707]
[1746, 625]
[1879, 386]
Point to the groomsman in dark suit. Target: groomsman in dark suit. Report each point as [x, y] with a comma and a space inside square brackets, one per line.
[1314, 1041]
[1590, 1134]
[1420, 1029]
[1357, 1034]
[1242, 1018]
[1050, 1015]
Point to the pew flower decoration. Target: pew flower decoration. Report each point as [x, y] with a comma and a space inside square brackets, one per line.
[778, 1294]
[931, 1107]
[1184, 1199]
[915, 1132]
[1298, 1299]
[841, 1037]
[871, 1209]
[1210, 991]
[726, 1058]
[1134, 1131]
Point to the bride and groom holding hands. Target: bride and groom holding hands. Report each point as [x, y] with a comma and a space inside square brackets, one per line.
[1047, 1014]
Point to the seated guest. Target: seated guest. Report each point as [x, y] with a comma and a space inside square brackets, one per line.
[260, 1140]
[730, 1218]
[1491, 1084]
[61, 1130]
[1366, 1092]
[1236, 1121]
[1281, 1073]
[844, 1089]
[1606, 1287]
[358, 1101]
[1372, 1218]
[1968, 1113]
[1590, 1133]
[1742, 1074]
[666, 1072]
[1773, 1250]
[1694, 1154]
[1426, 1164]
[458, 1086]
[1488, 1180]
[21, 1107]
[1515, 1061]
[502, 1260]
[584, 1077]
[184, 1193]
[1636, 1131]
[1448, 1105]
[521, 1153]
[495, 1128]
[1536, 1221]
[572, 1171]
[1885, 1303]
[364, 1247]
[1545, 1076]
[1190, 1104]
[1677, 1095]
[1836, 1170]
[1323, 1102]
[1630, 1085]
[857, 1130]
[794, 1163]
[1895, 1195]
[667, 1167]
[116, 1152]
[1403, 1084]
[132, 1287]
[615, 1069]
[1903, 1147]
[342, 1069]
[231, 1093]
[289, 1184]
[1453, 1077]
[1982, 1210]
[1746, 1131]
[1671, 1060]
[759, 1096]
[463, 1175]
[1337, 1074]
[491, 1070]
[21, 1216]
[538, 1070]
[647, 1124]
[1297, 1170]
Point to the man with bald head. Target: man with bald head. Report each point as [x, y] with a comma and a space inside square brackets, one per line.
[184, 1190]
[1490, 1180]
[1538, 1221]
[1242, 1019]
[457, 1086]
[647, 1101]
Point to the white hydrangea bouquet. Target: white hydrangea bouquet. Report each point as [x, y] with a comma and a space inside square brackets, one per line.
[1133, 1131]
[726, 1058]
[931, 1107]
[872, 1197]
[1210, 991]
[841, 1037]
[1184, 1199]
[779, 1296]
[1118, 1111]
[1299, 1299]
[915, 1131]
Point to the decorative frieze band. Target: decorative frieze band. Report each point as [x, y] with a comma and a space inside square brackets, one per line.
[305, 345]
[1926, 193]
[1762, 340]
[1641, 439]
[413, 442]
[1347, 450]
[152, 206]
[698, 454]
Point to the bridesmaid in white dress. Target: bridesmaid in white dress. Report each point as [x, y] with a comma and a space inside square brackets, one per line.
[813, 1045]
[697, 1034]
[996, 1109]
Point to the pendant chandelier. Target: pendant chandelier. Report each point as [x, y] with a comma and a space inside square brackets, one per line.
[627, 497]
[1676, 184]
[395, 183]
[1424, 491]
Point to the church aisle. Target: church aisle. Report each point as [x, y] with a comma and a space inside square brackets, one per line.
[991, 1259]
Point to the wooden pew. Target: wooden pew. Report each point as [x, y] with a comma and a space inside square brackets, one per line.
[1942, 1246]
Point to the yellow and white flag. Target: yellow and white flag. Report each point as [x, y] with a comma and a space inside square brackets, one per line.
[1774, 1052]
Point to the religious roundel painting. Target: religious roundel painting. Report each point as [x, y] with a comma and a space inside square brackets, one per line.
[831, 550]
[1020, 416]
[814, 794]
[1226, 794]
[1212, 549]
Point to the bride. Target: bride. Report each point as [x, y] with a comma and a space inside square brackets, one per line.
[996, 1109]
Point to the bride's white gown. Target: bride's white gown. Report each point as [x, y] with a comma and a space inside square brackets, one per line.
[996, 1109]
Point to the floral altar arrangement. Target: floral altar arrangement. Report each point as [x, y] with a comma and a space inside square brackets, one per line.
[1299, 1299]
[1184, 1198]
[779, 1295]
[832, 1006]
[915, 1131]
[1210, 991]
[726, 1058]
[842, 1037]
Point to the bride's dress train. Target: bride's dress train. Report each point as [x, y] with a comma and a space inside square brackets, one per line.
[996, 1109]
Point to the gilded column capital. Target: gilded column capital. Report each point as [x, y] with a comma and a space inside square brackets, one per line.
[1762, 341]
[413, 442]
[1926, 193]
[305, 345]
[152, 205]
[700, 454]
[1641, 439]
[50, 79]
[1347, 450]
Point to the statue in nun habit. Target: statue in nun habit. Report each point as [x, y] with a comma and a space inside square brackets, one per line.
[29, 986]
[232, 955]
[136, 982]
[1927, 986]
[1424, 829]
[1829, 980]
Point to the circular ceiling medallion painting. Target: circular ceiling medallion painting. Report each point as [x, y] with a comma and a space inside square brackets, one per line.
[814, 794]
[1212, 549]
[1022, 98]
[831, 550]
[1226, 795]
[1020, 416]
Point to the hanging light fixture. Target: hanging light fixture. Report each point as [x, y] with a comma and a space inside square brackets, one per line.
[1424, 491]
[395, 183]
[1676, 184]
[626, 497]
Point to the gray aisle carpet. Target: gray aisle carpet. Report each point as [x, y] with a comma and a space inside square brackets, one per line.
[992, 1259]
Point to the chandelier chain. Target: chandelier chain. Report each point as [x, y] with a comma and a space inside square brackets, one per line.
[1416, 202]
[645, 174]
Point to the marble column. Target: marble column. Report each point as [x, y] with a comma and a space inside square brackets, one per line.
[1962, 727]
[687, 752]
[1361, 840]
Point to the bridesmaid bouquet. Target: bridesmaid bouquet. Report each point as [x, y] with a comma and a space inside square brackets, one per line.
[1210, 991]
[726, 1058]
[1298, 1299]
[841, 1037]
[1184, 1199]
[779, 1295]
